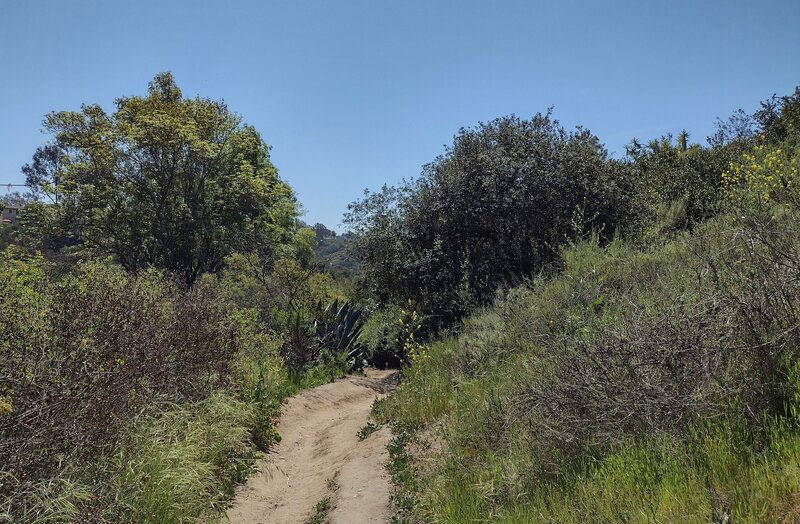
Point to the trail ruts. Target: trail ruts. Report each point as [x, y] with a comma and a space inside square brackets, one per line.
[320, 457]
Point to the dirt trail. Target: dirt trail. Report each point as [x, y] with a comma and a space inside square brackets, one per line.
[320, 457]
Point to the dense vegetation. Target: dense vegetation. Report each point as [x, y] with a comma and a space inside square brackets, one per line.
[164, 181]
[583, 338]
[649, 374]
[158, 299]
[491, 211]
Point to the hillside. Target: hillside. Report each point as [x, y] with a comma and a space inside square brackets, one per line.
[647, 377]
[332, 250]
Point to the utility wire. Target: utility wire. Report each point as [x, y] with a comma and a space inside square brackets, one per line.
[9, 186]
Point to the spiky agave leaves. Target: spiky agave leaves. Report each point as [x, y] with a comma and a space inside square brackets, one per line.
[342, 331]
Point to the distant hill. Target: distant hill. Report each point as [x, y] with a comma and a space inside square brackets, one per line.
[331, 249]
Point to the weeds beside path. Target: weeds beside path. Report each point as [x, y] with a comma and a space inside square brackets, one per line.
[319, 431]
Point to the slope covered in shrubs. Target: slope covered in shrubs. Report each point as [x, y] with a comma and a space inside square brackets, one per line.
[640, 385]
[651, 378]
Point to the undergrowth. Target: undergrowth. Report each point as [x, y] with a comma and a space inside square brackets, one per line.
[125, 399]
[401, 471]
[639, 385]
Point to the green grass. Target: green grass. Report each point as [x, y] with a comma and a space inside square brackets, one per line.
[50, 501]
[368, 429]
[182, 465]
[321, 510]
[402, 472]
[710, 479]
[715, 474]
[176, 462]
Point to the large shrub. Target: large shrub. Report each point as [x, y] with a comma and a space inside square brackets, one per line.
[495, 208]
[82, 354]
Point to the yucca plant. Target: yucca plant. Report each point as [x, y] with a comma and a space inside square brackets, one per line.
[339, 328]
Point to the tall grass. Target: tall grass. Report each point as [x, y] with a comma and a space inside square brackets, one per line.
[48, 501]
[183, 464]
[174, 463]
[714, 477]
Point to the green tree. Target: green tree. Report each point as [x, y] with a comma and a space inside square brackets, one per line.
[491, 211]
[779, 118]
[673, 170]
[166, 181]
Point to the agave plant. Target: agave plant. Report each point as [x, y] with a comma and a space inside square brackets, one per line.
[340, 329]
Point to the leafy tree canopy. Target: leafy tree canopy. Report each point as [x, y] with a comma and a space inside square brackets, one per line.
[495, 208]
[165, 181]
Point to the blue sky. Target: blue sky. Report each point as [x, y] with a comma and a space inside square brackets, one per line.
[355, 94]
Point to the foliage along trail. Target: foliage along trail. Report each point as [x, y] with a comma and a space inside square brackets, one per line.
[320, 468]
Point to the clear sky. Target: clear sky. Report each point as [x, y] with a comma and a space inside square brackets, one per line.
[355, 94]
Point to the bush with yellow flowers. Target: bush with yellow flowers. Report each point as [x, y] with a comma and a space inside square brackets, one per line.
[411, 323]
[764, 176]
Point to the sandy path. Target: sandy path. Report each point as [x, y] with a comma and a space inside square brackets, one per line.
[320, 456]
